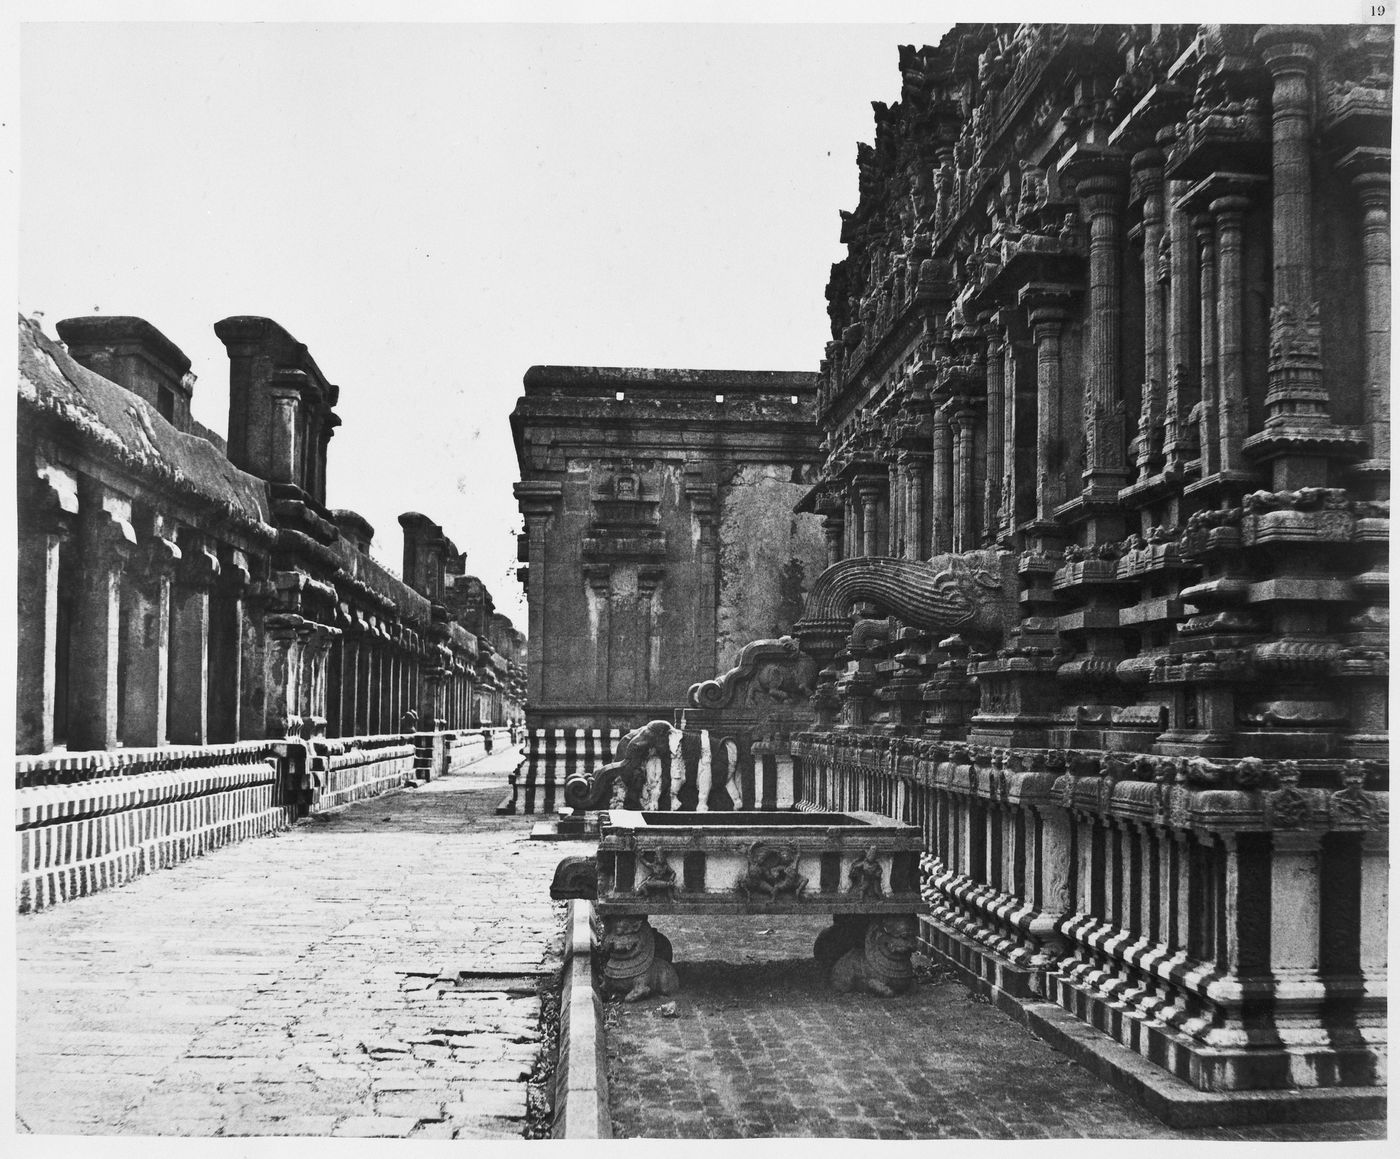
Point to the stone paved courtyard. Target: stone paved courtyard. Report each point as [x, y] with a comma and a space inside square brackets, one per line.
[288, 985]
[370, 974]
[759, 1047]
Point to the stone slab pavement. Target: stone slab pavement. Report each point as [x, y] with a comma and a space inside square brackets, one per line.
[303, 983]
[756, 1045]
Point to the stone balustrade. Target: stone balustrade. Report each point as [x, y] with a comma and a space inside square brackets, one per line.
[90, 821]
[1224, 920]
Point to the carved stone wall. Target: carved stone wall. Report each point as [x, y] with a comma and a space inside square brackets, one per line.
[659, 531]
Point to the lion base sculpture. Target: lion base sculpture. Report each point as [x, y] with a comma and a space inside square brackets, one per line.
[880, 964]
[637, 960]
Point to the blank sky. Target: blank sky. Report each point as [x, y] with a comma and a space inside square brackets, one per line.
[434, 208]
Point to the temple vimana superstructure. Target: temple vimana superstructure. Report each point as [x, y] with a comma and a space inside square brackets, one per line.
[1099, 456]
[206, 650]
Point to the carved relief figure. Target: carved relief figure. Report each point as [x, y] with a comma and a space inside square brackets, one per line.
[772, 870]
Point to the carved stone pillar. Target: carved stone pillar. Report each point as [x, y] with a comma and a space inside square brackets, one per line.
[1208, 417]
[1297, 397]
[997, 403]
[1369, 170]
[942, 483]
[146, 641]
[703, 495]
[281, 636]
[1147, 173]
[649, 580]
[965, 497]
[598, 577]
[538, 500]
[1232, 412]
[350, 646]
[895, 522]
[189, 644]
[105, 541]
[1101, 195]
[286, 401]
[833, 529]
[47, 514]
[870, 491]
[1179, 438]
[915, 534]
[1047, 322]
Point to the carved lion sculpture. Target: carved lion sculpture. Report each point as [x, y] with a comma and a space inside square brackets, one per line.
[881, 965]
[634, 966]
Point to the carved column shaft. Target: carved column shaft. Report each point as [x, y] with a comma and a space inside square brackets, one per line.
[1046, 325]
[1373, 189]
[1291, 53]
[942, 483]
[896, 507]
[916, 537]
[833, 529]
[1148, 168]
[870, 518]
[964, 495]
[1178, 439]
[1101, 196]
[189, 644]
[36, 638]
[997, 448]
[1296, 393]
[1210, 404]
[283, 434]
[1232, 417]
[146, 643]
[105, 541]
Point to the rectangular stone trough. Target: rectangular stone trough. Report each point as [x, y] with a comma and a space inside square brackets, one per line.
[756, 862]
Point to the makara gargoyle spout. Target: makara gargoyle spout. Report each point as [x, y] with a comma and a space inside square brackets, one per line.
[972, 593]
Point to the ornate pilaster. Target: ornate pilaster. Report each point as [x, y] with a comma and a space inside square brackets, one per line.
[965, 498]
[105, 542]
[1369, 171]
[1178, 265]
[1149, 185]
[833, 530]
[1207, 415]
[538, 499]
[47, 515]
[1232, 416]
[998, 448]
[189, 642]
[146, 604]
[1297, 435]
[870, 490]
[1101, 195]
[942, 483]
[1048, 306]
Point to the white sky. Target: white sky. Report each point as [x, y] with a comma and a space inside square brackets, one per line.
[432, 209]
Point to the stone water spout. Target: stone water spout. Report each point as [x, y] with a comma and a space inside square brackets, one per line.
[972, 593]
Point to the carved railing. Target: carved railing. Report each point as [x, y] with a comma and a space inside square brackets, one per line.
[89, 821]
[1225, 920]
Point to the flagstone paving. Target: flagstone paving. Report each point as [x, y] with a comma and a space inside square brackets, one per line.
[304, 983]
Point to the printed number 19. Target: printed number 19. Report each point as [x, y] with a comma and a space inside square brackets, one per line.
[1377, 9]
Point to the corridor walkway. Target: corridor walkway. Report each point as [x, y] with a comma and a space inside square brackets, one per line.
[369, 973]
